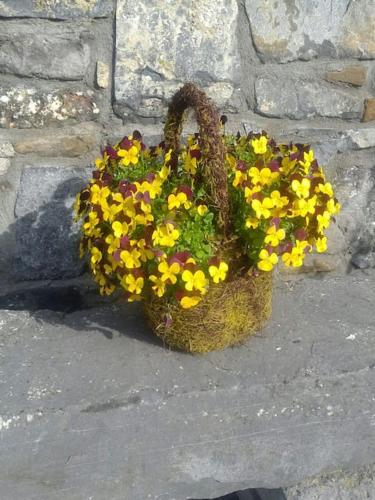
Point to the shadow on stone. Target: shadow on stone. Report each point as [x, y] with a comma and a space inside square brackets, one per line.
[45, 239]
[254, 494]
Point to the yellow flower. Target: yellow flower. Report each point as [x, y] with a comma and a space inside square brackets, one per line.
[326, 189]
[169, 272]
[190, 165]
[195, 281]
[296, 256]
[175, 201]
[321, 244]
[262, 208]
[96, 255]
[146, 253]
[99, 195]
[188, 302]
[333, 207]
[153, 188]
[303, 207]
[165, 235]
[302, 189]
[113, 243]
[278, 200]
[120, 228]
[260, 145]
[89, 227]
[323, 221]
[110, 212]
[143, 219]
[164, 173]
[131, 259]
[274, 236]
[101, 163]
[128, 207]
[251, 223]
[287, 165]
[239, 177]
[133, 284]
[267, 261]
[202, 210]
[128, 156]
[308, 158]
[249, 193]
[264, 176]
[159, 285]
[218, 273]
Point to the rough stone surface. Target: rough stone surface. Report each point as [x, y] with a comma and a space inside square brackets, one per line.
[287, 97]
[46, 236]
[362, 138]
[94, 406]
[55, 9]
[4, 165]
[285, 31]
[188, 41]
[354, 75]
[34, 48]
[26, 107]
[102, 74]
[343, 485]
[6, 150]
[76, 141]
[355, 188]
[369, 111]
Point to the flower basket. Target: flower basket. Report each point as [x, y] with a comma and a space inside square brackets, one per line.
[195, 230]
[236, 308]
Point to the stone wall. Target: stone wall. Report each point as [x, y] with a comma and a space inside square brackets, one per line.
[75, 74]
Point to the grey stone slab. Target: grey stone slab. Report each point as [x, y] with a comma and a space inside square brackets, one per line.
[187, 41]
[56, 9]
[296, 98]
[46, 237]
[45, 50]
[93, 406]
[29, 106]
[355, 188]
[285, 31]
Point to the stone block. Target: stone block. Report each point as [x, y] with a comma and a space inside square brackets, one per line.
[27, 107]
[4, 165]
[353, 75]
[6, 150]
[94, 406]
[362, 138]
[102, 74]
[76, 141]
[188, 41]
[56, 9]
[355, 189]
[46, 235]
[286, 31]
[43, 49]
[288, 97]
[369, 110]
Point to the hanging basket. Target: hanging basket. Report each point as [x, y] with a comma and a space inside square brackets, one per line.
[234, 309]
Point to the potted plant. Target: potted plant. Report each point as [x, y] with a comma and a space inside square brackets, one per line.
[195, 230]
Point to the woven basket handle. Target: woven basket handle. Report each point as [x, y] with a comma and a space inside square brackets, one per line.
[211, 144]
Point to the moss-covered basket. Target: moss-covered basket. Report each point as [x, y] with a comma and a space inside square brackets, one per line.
[238, 307]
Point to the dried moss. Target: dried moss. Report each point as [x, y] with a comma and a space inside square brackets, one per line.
[230, 313]
[211, 144]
